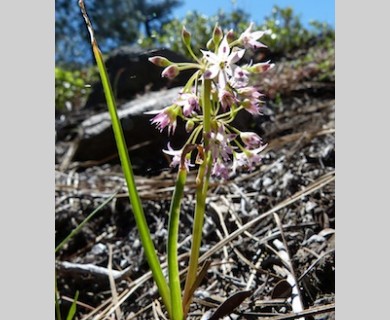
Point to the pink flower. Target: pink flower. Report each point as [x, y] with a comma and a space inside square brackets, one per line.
[165, 118]
[189, 102]
[249, 92]
[252, 106]
[251, 140]
[240, 78]
[176, 160]
[220, 170]
[251, 99]
[249, 39]
[222, 63]
[226, 98]
[219, 144]
[247, 159]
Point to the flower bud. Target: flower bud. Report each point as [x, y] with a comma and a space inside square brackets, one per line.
[171, 72]
[186, 36]
[261, 67]
[217, 35]
[230, 36]
[210, 45]
[190, 125]
[160, 61]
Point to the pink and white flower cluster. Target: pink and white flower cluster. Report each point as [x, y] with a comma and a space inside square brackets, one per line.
[230, 92]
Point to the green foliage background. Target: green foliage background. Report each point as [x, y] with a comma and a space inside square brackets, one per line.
[288, 36]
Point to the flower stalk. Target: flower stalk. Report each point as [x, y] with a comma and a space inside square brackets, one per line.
[173, 232]
[224, 91]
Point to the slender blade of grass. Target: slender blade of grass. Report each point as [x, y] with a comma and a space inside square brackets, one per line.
[73, 307]
[57, 301]
[82, 224]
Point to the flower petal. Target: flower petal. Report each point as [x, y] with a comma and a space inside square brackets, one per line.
[224, 50]
[236, 55]
[210, 56]
[211, 72]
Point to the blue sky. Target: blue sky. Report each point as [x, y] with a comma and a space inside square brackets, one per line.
[307, 10]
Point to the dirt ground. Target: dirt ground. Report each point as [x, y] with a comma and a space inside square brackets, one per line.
[265, 231]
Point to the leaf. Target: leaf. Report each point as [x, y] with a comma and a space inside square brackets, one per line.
[72, 309]
[230, 304]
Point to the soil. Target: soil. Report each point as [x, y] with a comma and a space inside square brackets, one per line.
[264, 230]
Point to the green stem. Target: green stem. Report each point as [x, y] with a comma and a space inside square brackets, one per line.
[192, 54]
[206, 109]
[201, 192]
[173, 231]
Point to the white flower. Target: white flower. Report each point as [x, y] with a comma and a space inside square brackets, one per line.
[247, 159]
[177, 155]
[249, 39]
[219, 143]
[222, 64]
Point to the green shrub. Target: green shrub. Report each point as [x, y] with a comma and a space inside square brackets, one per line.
[287, 31]
[72, 87]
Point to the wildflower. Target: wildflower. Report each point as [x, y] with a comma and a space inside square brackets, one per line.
[251, 140]
[252, 106]
[240, 78]
[247, 158]
[229, 89]
[219, 143]
[251, 99]
[223, 63]
[226, 98]
[165, 118]
[249, 92]
[189, 102]
[177, 157]
[220, 170]
[249, 39]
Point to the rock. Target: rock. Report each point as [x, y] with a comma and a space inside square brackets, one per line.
[98, 143]
[131, 73]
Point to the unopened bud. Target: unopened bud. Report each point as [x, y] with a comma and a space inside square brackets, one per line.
[210, 45]
[186, 36]
[261, 67]
[230, 36]
[190, 125]
[217, 35]
[160, 61]
[171, 72]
